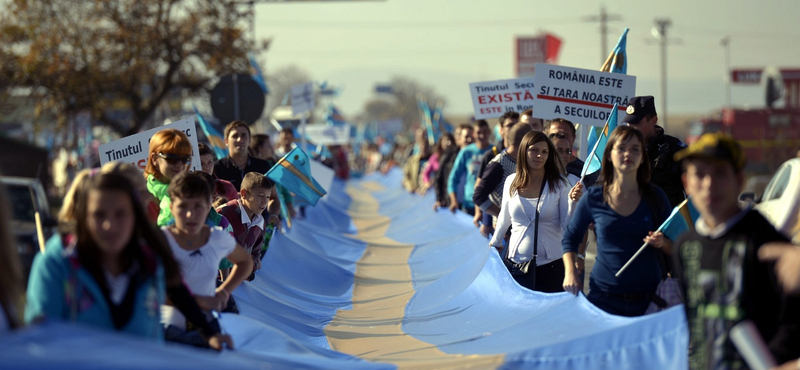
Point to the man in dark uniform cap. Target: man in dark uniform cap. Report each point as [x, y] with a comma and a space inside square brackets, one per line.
[661, 148]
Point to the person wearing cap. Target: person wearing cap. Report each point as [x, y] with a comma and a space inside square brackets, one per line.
[717, 263]
[661, 148]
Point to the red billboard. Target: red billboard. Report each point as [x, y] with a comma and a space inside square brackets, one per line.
[535, 49]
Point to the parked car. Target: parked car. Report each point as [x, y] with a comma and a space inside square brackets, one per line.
[780, 203]
[26, 198]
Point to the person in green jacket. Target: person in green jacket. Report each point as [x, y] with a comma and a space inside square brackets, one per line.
[170, 154]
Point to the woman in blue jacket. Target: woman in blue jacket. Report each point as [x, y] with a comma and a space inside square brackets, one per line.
[625, 208]
[114, 272]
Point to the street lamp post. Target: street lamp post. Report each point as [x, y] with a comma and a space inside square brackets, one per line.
[660, 33]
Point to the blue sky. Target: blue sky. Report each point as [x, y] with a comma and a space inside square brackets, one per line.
[447, 44]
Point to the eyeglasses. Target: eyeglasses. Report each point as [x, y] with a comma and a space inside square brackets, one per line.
[175, 159]
[564, 150]
[557, 135]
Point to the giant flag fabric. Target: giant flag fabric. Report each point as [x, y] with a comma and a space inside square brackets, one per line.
[214, 137]
[371, 278]
[293, 172]
[595, 157]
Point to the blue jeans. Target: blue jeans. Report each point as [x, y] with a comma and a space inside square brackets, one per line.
[617, 304]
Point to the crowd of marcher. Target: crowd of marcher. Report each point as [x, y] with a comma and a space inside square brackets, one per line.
[159, 254]
[530, 182]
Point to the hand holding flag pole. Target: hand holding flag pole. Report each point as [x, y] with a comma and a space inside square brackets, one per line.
[672, 228]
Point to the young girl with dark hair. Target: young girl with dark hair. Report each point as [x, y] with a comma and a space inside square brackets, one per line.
[624, 209]
[536, 193]
[115, 272]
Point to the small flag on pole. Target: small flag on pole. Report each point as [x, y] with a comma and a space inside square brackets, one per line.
[255, 73]
[293, 172]
[681, 220]
[213, 136]
[617, 62]
[595, 158]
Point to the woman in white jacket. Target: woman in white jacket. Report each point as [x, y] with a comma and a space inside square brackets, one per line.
[537, 190]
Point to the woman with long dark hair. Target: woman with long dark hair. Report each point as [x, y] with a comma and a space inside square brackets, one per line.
[625, 207]
[536, 206]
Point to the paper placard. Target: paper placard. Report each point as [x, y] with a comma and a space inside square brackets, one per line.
[491, 99]
[328, 135]
[302, 98]
[580, 95]
[391, 126]
[134, 149]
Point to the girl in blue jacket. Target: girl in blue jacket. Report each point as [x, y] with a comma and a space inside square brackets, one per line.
[114, 271]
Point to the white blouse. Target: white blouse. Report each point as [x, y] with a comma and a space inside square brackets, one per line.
[198, 267]
[519, 213]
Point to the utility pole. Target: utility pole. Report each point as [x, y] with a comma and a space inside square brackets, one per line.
[726, 43]
[660, 33]
[603, 18]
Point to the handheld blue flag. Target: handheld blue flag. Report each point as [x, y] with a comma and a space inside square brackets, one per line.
[595, 157]
[428, 123]
[334, 117]
[681, 220]
[293, 172]
[617, 62]
[214, 137]
[255, 73]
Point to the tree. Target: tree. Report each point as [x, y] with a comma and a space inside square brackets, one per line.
[401, 102]
[104, 56]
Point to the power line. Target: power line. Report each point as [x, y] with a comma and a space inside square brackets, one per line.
[416, 24]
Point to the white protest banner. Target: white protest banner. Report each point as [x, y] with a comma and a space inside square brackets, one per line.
[302, 98]
[391, 126]
[328, 135]
[580, 95]
[134, 149]
[491, 99]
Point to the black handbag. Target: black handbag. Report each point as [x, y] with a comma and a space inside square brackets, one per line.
[524, 268]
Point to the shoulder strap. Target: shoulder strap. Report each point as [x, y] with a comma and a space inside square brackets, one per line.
[536, 227]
